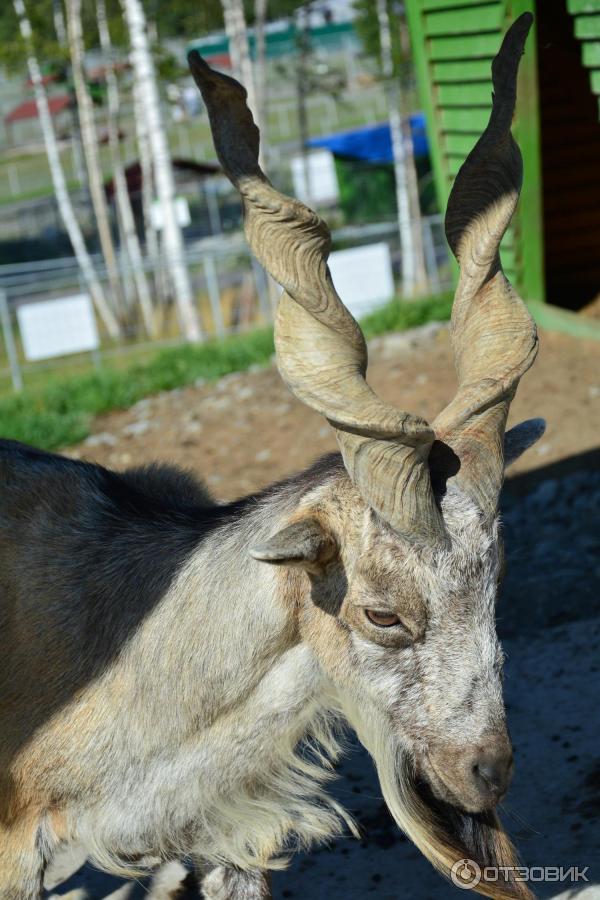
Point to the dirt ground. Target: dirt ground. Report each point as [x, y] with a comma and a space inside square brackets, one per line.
[248, 430]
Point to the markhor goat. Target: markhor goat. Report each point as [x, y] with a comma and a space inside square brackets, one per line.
[164, 658]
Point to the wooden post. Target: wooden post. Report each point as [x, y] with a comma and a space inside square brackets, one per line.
[9, 343]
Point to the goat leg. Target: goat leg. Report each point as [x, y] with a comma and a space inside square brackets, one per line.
[225, 883]
[22, 863]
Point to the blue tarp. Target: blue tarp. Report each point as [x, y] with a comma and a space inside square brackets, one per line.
[373, 143]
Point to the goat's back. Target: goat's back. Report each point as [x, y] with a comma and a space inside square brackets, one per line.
[85, 555]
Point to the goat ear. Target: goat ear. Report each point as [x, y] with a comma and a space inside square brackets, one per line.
[303, 543]
[521, 438]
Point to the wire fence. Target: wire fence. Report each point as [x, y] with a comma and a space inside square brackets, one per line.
[232, 294]
[24, 171]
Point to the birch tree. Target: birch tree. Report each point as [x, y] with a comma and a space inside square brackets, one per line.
[63, 200]
[60, 30]
[149, 101]
[125, 214]
[409, 219]
[239, 47]
[302, 88]
[260, 75]
[147, 176]
[89, 138]
[414, 200]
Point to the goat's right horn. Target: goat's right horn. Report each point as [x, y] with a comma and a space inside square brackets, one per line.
[493, 334]
[321, 352]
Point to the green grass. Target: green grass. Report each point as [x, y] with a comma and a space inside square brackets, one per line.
[400, 316]
[61, 412]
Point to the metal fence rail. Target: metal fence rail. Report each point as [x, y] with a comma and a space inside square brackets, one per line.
[232, 291]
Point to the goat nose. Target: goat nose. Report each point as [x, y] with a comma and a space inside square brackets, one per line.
[492, 770]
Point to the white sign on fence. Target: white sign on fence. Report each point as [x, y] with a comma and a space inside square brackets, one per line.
[321, 174]
[363, 277]
[58, 327]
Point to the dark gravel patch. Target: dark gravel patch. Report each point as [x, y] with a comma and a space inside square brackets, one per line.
[552, 538]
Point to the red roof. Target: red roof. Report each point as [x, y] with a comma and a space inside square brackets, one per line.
[28, 109]
[220, 60]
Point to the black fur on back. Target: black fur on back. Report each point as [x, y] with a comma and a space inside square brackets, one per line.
[85, 555]
[92, 537]
[89, 538]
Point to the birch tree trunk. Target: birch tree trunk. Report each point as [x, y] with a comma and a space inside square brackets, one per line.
[239, 48]
[302, 50]
[89, 139]
[413, 266]
[63, 200]
[172, 243]
[61, 36]
[260, 76]
[59, 23]
[421, 277]
[147, 175]
[124, 211]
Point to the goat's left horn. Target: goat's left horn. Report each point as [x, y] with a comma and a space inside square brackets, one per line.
[321, 352]
[493, 335]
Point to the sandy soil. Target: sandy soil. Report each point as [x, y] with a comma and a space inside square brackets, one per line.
[248, 430]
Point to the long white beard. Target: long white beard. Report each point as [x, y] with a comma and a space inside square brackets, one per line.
[444, 834]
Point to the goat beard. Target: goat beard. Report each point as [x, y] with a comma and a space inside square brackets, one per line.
[443, 833]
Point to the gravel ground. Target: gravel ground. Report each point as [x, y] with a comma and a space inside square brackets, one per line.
[549, 619]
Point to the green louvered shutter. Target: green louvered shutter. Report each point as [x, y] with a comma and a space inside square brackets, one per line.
[587, 29]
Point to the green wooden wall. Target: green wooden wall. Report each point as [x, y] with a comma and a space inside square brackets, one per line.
[454, 42]
[586, 14]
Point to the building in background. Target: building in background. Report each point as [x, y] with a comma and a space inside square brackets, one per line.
[328, 35]
[364, 168]
[551, 250]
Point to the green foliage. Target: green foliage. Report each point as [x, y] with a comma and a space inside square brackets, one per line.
[61, 412]
[177, 18]
[52, 57]
[185, 19]
[367, 191]
[402, 315]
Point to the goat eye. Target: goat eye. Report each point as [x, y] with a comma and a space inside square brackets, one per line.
[382, 619]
